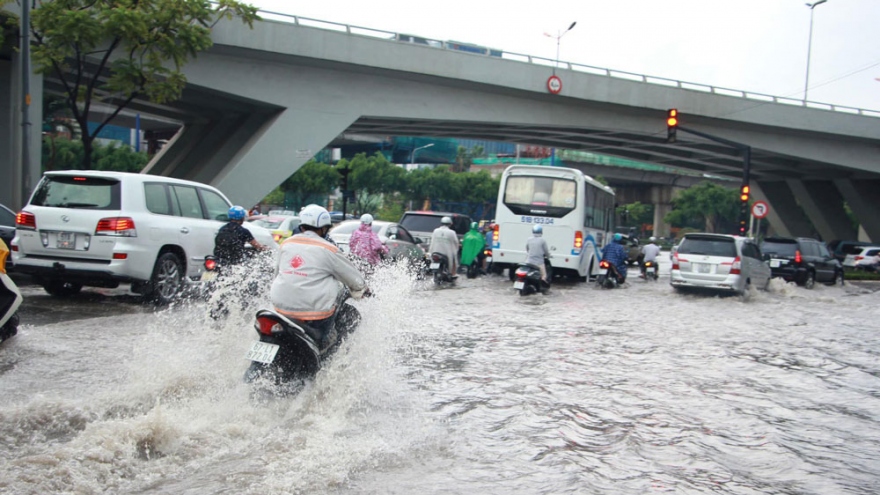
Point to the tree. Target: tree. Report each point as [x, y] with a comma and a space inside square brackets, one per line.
[635, 214]
[312, 179]
[708, 203]
[113, 51]
[464, 157]
[370, 178]
[476, 189]
[64, 154]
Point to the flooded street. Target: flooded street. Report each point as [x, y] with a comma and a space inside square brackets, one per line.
[471, 389]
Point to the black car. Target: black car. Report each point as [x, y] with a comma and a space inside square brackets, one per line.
[7, 228]
[802, 260]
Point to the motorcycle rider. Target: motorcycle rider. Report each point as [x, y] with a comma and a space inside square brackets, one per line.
[310, 275]
[537, 250]
[649, 253]
[365, 244]
[230, 240]
[472, 247]
[615, 254]
[445, 241]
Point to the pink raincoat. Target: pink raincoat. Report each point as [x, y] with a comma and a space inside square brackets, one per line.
[365, 244]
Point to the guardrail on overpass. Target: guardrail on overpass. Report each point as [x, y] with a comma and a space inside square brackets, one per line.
[536, 60]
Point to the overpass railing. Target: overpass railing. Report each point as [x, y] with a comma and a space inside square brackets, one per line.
[478, 50]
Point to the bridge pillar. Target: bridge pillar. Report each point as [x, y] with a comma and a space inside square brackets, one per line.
[661, 197]
[786, 217]
[863, 197]
[823, 204]
[18, 181]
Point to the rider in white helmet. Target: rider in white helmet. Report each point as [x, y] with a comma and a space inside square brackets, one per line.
[445, 241]
[311, 273]
[537, 250]
[649, 253]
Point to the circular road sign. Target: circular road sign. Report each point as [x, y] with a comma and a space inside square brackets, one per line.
[554, 85]
[760, 209]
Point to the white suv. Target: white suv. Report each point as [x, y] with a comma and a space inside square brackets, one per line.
[101, 228]
[718, 262]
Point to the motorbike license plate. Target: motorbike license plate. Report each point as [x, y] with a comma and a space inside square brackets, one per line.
[208, 276]
[65, 240]
[262, 352]
[435, 266]
[518, 285]
[488, 259]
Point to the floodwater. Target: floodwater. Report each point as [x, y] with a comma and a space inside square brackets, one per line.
[471, 389]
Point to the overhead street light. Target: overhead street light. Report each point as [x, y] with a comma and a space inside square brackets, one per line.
[810, 44]
[562, 33]
[412, 156]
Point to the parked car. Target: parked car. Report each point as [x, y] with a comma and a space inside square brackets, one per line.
[97, 228]
[717, 262]
[868, 258]
[400, 242]
[7, 229]
[840, 249]
[802, 260]
[336, 217]
[281, 226]
[422, 224]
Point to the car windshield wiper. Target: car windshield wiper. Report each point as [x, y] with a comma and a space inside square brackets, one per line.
[76, 205]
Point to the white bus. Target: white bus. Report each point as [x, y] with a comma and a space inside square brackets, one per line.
[576, 212]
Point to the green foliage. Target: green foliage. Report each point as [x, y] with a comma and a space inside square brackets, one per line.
[276, 197]
[391, 211]
[635, 214]
[708, 204]
[114, 51]
[370, 177]
[312, 179]
[64, 154]
[464, 157]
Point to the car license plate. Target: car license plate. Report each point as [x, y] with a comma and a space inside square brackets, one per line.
[435, 266]
[774, 263]
[262, 352]
[208, 276]
[518, 285]
[702, 268]
[65, 240]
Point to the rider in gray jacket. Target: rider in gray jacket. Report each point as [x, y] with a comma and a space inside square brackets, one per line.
[537, 250]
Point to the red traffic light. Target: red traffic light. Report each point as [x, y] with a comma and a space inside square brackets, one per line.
[671, 125]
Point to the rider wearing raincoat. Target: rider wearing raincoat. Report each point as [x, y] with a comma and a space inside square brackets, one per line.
[365, 244]
[472, 246]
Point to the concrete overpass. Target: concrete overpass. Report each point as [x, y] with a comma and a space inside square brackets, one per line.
[262, 101]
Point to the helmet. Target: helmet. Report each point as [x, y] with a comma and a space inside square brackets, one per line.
[537, 229]
[475, 225]
[367, 218]
[236, 213]
[446, 221]
[618, 237]
[652, 239]
[314, 216]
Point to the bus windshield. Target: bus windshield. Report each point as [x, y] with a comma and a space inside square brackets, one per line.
[545, 196]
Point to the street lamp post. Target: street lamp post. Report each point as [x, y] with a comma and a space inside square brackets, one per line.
[412, 156]
[561, 34]
[810, 45]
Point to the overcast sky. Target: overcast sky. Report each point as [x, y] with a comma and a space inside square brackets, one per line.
[753, 45]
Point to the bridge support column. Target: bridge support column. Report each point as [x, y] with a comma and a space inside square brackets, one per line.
[863, 197]
[786, 217]
[18, 179]
[823, 204]
[661, 198]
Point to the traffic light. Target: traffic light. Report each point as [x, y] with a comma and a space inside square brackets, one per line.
[671, 124]
[344, 173]
[744, 208]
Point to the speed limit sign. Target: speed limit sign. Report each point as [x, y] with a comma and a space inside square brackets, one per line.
[760, 209]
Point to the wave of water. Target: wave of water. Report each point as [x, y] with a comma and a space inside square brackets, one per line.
[469, 389]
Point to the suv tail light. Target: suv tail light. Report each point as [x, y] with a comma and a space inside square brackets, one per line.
[736, 266]
[116, 226]
[859, 258]
[797, 257]
[25, 220]
[675, 262]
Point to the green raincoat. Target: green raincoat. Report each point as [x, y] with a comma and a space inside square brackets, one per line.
[471, 246]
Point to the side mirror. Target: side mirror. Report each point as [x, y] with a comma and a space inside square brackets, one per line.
[419, 240]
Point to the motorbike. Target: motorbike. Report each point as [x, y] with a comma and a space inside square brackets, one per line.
[476, 266]
[650, 270]
[10, 300]
[609, 278]
[527, 279]
[291, 350]
[439, 269]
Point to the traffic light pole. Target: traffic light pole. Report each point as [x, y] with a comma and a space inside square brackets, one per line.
[746, 151]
